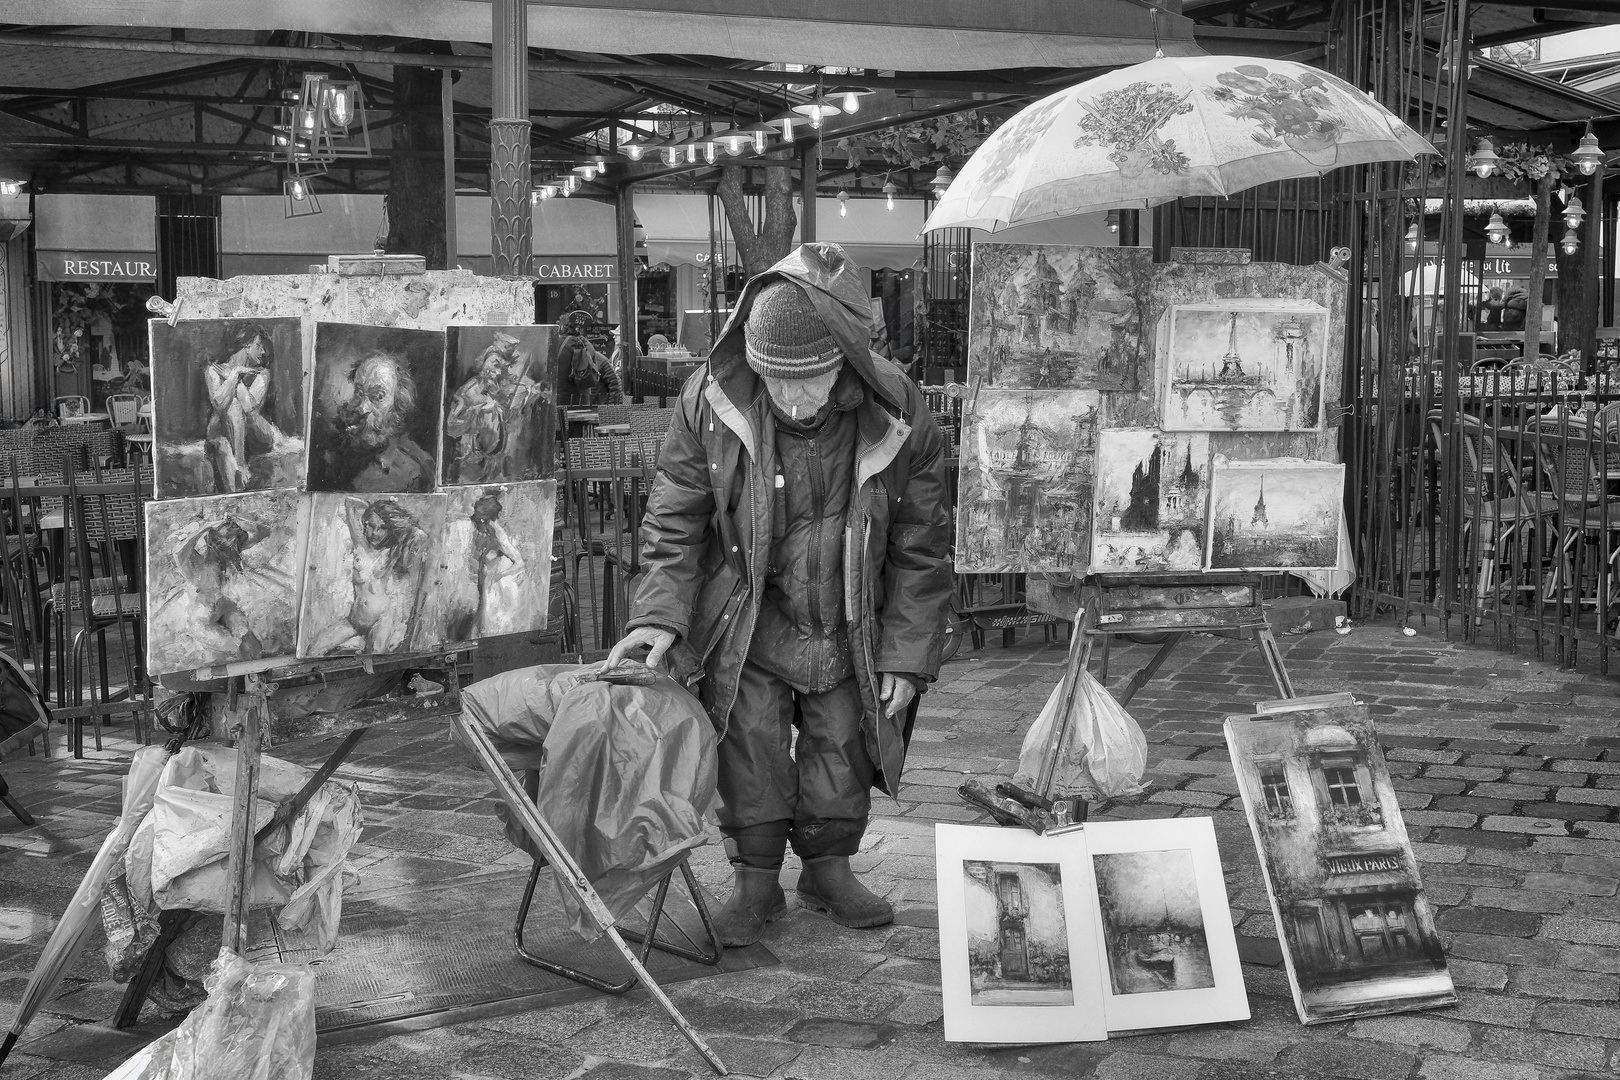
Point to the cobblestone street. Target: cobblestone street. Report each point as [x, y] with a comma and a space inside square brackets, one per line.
[1508, 771]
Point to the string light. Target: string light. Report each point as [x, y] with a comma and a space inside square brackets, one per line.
[1588, 155]
[1484, 160]
[1574, 212]
[942, 180]
[297, 189]
[1111, 219]
[1497, 231]
[843, 204]
[1571, 243]
[787, 128]
[11, 187]
[1412, 239]
[889, 192]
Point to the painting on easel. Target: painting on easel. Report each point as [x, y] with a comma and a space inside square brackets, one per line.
[223, 575]
[1026, 482]
[498, 397]
[1280, 514]
[1059, 317]
[228, 405]
[1244, 365]
[494, 573]
[375, 407]
[1152, 493]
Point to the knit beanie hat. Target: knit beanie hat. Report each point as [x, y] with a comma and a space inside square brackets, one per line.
[784, 336]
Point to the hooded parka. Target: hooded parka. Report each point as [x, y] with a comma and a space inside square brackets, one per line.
[706, 535]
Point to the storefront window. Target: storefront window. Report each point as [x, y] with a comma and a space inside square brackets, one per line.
[1382, 930]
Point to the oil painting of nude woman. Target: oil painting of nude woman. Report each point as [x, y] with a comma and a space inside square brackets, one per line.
[367, 574]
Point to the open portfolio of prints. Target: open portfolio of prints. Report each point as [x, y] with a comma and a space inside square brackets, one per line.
[331, 489]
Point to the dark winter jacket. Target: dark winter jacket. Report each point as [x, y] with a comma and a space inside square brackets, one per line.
[706, 536]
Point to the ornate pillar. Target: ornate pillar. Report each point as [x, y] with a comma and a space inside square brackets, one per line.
[510, 219]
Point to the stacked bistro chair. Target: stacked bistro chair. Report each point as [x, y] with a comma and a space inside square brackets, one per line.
[1569, 459]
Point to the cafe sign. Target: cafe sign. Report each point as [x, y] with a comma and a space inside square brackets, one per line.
[576, 270]
[96, 266]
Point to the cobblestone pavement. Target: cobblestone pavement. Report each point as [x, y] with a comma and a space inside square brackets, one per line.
[1508, 771]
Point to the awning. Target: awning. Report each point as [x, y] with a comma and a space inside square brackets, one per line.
[95, 237]
[943, 35]
[677, 229]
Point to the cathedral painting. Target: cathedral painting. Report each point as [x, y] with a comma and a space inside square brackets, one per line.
[1152, 493]
[1244, 365]
[1281, 514]
[1026, 482]
[1061, 317]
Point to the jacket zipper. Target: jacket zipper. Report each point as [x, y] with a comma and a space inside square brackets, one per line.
[818, 507]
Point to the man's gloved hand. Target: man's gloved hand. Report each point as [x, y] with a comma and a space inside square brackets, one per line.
[656, 638]
[898, 691]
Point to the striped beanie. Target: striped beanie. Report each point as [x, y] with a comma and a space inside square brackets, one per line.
[785, 338]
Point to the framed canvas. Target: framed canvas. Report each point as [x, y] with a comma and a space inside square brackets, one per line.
[1018, 954]
[1026, 497]
[1244, 365]
[375, 408]
[499, 397]
[1152, 500]
[371, 562]
[227, 405]
[1168, 952]
[1356, 930]
[224, 575]
[1060, 317]
[1277, 514]
[494, 564]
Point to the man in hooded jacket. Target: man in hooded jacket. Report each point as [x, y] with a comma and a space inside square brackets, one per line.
[795, 550]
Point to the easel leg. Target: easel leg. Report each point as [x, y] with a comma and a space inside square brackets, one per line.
[1140, 679]
[239, 861]
[1274, 661]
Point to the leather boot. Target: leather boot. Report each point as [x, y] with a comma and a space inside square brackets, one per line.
[756, 899]
[828, 885]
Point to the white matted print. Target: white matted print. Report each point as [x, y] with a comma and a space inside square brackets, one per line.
[1277, 514]
[1244, 365]
[1018, 954]
[1169, 954]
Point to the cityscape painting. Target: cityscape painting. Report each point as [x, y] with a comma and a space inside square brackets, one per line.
[1026, 482]
[1356, 929]
[1055, 317]
[1244, 365]
[1279, 514]
[1152, 497]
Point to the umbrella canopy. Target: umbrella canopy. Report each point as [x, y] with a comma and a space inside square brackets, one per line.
[1174, 126]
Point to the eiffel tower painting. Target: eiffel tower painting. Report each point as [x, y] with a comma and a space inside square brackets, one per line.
[1274, 515]
[1245, 365]
[1259, 518]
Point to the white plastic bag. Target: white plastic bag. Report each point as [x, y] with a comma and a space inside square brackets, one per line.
[257, 1024]
[177, 859]
[1106, 753]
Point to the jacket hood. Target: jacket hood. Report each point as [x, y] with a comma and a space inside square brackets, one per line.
[834, 284]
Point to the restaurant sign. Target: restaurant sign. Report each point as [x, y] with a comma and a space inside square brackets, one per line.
[96, 266]
[576, 269]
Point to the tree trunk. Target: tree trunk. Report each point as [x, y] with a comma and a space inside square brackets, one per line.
[416, 184]
[759, 249]
[1538, 266]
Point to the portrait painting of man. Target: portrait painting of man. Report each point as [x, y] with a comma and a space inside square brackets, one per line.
[371, 561]
[374, 417]
[223, 574]
[228, 405]
[499, 398]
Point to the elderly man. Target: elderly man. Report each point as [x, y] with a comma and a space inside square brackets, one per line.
[795, 549]
[374, 453]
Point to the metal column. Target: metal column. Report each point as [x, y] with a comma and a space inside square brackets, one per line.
[510, 218]
[447, 107]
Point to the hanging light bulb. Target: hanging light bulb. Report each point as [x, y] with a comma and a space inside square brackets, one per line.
[889, 192]
[1412, 239]
[1497, 231]
[760, 132]
[11, 187]
[340, 104]
[1574, 212]
[691, 151]
[1588, 155]
[634, 150]
[1111, 219]
[1571, 242]
[843, 203]
[672, 154]
[733, 139]
[297, 189]
[852, 102]
[1483, 160]
[711, 151]
[787, 128]
[942, 180]
[815, 117]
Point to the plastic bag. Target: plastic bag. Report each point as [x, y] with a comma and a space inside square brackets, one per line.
[177, 859]
[258, 1023]
[1106, 753]
[627, 773]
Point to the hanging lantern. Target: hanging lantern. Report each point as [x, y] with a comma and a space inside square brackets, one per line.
[734, 139]
[942, 180]
[850, 98]
[298, 194]
[1588, 155]
[889, 192]
[1496, 231]
[1484, 160]
[761, 133]
[1111, 219]
[1571, 242]
[786, 122]
[1413, 239]
[843, 203]
[11, 187]
[817, 109]
[672, 155]
[1574, 212]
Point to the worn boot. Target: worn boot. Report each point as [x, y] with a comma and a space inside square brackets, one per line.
[827, 884]
[756, 899]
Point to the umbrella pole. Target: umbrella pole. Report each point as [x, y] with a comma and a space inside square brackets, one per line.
[572, 877]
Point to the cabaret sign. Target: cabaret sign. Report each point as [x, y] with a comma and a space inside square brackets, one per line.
[576, 270]
[96, 266]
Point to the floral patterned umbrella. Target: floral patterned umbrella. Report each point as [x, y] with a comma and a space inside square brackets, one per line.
[1173, 126]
